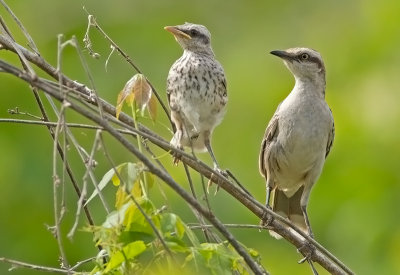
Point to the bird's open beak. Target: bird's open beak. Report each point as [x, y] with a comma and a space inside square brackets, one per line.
[176, 32]
[282, 54]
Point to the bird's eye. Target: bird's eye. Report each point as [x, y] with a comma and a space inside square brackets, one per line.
[193, 32]
[304, 56]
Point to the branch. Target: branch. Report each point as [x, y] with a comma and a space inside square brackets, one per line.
[16, 264]
[320, 255]
[93, 23]
[79, 98]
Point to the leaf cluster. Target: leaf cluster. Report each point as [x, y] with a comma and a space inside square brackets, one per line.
[132, 246]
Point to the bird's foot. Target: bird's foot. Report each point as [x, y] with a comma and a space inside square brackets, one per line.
[266, 218]
[307, 249]
[177, 156]
[218, 171]
[224, 173]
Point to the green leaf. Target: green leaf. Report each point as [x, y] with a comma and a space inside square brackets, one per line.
[218, 258]
[135, 221]
[131, 236]
[115, 179]
[120, 197]
[103, 183]
[177, 246]
[172, 224]
[149, 179]
[128, 252]
[180, 228]
[192, 237]
[115, 218]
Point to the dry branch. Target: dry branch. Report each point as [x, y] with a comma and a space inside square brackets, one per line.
[84, 101]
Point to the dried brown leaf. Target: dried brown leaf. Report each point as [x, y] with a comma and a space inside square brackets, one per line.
[138, 90]
[152, 107]
[142, 91]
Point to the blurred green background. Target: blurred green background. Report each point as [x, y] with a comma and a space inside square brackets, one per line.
[354, 208]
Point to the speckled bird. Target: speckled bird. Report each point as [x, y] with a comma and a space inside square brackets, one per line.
[196, 90]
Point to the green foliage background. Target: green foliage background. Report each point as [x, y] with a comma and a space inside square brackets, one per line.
[354, 207]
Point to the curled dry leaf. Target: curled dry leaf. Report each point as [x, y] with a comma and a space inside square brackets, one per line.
[152, 107]
[137, 90]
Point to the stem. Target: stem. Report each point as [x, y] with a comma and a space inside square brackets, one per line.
[143, 180]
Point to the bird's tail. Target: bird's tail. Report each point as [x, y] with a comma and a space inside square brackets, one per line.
[289, 208]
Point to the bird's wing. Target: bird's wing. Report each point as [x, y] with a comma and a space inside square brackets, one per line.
[169, 90]
[222, 90]
[224, 83]
[331, 137]
[173, 75]
[270, 134]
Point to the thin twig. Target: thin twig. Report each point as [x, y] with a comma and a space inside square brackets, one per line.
[61, 154]
[206, 232]
[80, 150]
[78, 264]
[10, 40]
[93, 23]
[248, 201]
[17, 264]
[89, 166]
[16, 111]
[160, 173]
[21, 26]
[228, 225]
[128, 192]
[58, 215]
[232, 176]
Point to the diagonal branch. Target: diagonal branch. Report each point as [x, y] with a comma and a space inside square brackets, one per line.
[80, 97]
[320, 255]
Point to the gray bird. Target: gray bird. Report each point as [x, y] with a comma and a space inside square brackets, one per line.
[196, 90]
[298, 138]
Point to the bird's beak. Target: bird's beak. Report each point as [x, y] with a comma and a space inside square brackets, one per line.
[282, 54]
[176, 32]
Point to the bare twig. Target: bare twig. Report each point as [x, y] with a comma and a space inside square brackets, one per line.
[160, 173]
[321, 255]
[89, 166]
[207, 233]
[21, 26]
[58, 214]
[128, 192]
[17, 264]
[41, 107]
[16, 111]
[228, 225]
[93, 23]
[78, 264]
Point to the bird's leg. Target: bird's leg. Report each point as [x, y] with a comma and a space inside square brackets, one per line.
[304, 210]
[177, 138]
[307, 247]
[216, 166]
[210, 151]
[266, 219]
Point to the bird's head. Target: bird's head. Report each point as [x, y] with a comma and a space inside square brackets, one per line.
[192, 37]
[304, 63]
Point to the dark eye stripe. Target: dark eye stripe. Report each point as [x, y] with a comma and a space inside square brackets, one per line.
[201, 36]
[311, 59]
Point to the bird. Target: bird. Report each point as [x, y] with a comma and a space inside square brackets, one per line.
[298, 139]
[196, 90]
